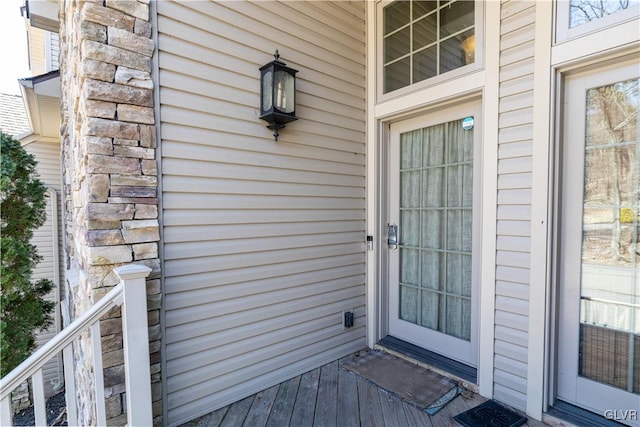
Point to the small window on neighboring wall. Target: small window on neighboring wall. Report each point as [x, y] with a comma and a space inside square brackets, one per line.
[578, 17]
[423, 39]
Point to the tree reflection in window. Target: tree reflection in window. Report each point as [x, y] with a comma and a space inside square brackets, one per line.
[583, 11]
[612, 178]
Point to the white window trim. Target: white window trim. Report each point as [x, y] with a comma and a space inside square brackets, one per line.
[48, 57]
[564, 33]
[478, 64]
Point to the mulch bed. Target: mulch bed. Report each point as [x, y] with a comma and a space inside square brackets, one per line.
[56, 413]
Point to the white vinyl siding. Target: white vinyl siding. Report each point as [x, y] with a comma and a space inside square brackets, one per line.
[263, 241]
[52, 51]
[514, 202]
[48, 157]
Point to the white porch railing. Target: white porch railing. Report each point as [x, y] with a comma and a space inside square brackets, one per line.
[131, 295]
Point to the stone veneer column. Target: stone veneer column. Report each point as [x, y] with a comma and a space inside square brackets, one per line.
[110, 178]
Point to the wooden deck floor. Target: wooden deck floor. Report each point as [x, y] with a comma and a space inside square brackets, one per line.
[332, 396]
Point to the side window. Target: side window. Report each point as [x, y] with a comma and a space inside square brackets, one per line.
[424, 39]
[578, 17]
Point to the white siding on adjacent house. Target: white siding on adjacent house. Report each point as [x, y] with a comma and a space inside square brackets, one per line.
[53, 51]
[514, 201]
[263, 240]
[48, 156]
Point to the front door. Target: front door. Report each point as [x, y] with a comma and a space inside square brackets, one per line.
[599, 312]
[433, 211]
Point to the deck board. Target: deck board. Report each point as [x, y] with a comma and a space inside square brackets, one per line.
[305, 405]
[332, 396]
[237, 412]
[348, 411]
[369, 404]
[283, 406]
[258, 414]
[326, 404]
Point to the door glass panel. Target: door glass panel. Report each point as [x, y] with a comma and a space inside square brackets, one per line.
[610, 276]
[436, 227]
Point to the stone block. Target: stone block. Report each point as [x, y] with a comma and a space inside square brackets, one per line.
[100, 224]
[113, 376]
[142, 28]
[105, 255]
[97, 188]
[135, 113]
[138, 180]
[133, 191]
[133, 8]
[119, 421]
[154, 302]
[102, 109]
[97, 163]
[155, 357]
[141, 231]
[153, 287]
[149, 167]
[111, 279]
[156, 391]
[110, 128]
[137, 152]
[113, 406]
[130, 41]
[156, 367]
[104, 238]
[112, 358]
[98, 70]
[98, 145]
[118, 93]
[111, 342]
[137, 200]
[131, 77]
[154, 265]
[127, 142]
[106, 16]
[111, 329]
[108, 211]
[92, 31]
[145, 251]
[148, 136]
[153, 318]
[115, 55]
[146, 212]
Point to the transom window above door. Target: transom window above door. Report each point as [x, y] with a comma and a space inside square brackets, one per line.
[576, 18]
[423, 39]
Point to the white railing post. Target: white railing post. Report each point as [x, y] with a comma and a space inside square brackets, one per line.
[136, 344]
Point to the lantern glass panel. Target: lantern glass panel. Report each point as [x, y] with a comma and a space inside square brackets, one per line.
[267, 90]
[284, 91]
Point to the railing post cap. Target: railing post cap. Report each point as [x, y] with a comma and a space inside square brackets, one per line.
[132, 271]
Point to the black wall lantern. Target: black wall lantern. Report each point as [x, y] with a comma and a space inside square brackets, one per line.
[277, 94]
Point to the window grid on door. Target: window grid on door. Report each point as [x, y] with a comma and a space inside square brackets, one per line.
[435, 228]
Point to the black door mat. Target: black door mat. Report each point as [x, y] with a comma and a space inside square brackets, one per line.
[421, 387]
[490, 414]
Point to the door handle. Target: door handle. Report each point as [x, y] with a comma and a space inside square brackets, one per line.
[392, 236]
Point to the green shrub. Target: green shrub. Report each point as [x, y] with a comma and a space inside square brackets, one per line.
[23, 309]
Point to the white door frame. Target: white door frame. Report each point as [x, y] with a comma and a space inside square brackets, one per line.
[571, 387]
[448, 346]
[484, 82]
